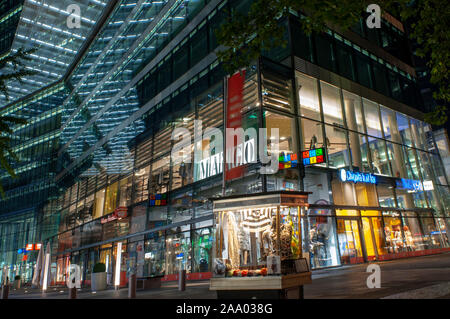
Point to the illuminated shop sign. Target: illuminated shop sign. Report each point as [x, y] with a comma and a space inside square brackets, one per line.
[243, 153]
[428, 185]
[287, 161]
[158, 200]
[315, 156]
[357, 177]
[410, 184]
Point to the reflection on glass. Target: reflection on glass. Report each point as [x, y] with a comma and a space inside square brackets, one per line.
[308, 97]
[331, 104]
[338, 155]
[372, 118]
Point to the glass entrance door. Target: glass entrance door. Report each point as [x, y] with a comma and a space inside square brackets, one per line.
[349, 241]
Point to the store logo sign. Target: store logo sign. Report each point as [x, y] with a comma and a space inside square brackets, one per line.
[356, 177]
[410, 184]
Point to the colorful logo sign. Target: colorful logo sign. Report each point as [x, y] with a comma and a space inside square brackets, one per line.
[287, 161]
[315, 156]
[158, 200]
[357, 177]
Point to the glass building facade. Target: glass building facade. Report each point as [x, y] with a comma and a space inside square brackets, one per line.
[152, 69]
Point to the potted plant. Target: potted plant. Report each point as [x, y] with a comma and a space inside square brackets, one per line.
[17, 282]
[98, 277]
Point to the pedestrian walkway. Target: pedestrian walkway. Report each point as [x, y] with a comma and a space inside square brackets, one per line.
[418, 277]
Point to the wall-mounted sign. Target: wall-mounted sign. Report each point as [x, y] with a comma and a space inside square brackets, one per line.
[356, 177]
[428, 185]
[158, 200]
[121, 212]
[410, 184]
[315, 156]
[242, 154]
[30, 247]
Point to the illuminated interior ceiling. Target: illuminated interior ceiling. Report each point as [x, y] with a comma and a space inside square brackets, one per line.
[43, 25]
[96, 105]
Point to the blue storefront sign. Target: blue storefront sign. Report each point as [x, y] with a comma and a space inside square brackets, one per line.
[410, 184]
[356, 177]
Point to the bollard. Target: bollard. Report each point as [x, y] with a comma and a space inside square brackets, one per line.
[73, 293]
[182, 280]
[5, 289]
[132, 286]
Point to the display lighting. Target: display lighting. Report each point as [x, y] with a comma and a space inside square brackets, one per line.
[118, 262]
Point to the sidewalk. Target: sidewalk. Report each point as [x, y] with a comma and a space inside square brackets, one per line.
[418, 277]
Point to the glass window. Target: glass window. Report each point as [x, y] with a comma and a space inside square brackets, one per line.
[286, 129]
[312, 134]
[364, 70]
[331, 103]
[125, 192]
[359, 151]
[393, 232]
[413, 232]
[324, 52]
[99, 203]
[353, 112]
[199, 46]
[317, 183]
[154, 262]
[308, 97]
[345, 61]
[389, 124]
[338, 154]
[396, 157]
[322, 239]
[111, 198]
[386, 195]
[404, 129]
[202, 245]
[372, 118]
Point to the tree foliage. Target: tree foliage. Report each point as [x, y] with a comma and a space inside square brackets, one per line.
[245, 36]
[16, 61]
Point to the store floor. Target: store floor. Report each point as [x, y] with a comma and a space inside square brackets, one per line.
[418, 277]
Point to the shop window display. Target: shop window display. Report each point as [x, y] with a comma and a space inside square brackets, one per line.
[413, 232]
[322, 239]
[178, 252]
[154, 257]
[393, 232]
[202, 249]
[249, 238]
[432, 237]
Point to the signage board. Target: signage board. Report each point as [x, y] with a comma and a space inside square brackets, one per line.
[314, 156]
[356, 177]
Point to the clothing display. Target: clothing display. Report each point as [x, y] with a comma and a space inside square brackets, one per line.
[233, 241]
